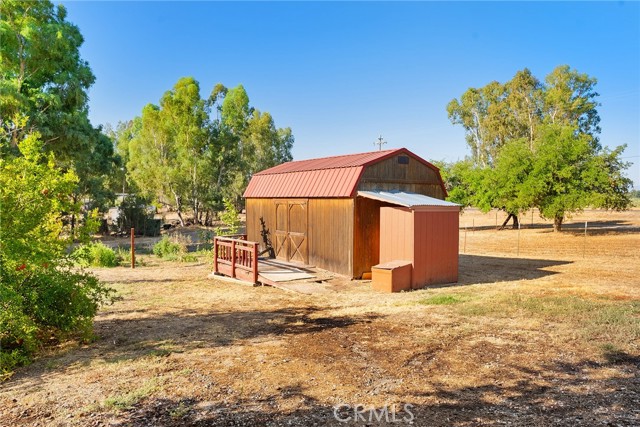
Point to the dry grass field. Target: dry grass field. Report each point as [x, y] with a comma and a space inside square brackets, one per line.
[542, 329]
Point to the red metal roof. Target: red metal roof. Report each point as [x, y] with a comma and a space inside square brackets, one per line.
[335, 176]
[349, 160]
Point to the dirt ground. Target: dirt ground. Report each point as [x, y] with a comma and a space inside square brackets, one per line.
[541, 329]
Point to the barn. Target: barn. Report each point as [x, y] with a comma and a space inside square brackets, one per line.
[349, 213]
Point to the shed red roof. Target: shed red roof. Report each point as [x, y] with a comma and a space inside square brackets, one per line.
[335, 176]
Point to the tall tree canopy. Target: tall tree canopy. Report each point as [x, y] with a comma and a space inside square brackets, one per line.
[536, 144]
[183, 155]
[44, 83]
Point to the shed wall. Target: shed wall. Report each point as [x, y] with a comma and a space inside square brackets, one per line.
[396, 234]
[435, 247]
[331, 234]
[429, 239]
[366, 235]
[329, 231]
[414, 177]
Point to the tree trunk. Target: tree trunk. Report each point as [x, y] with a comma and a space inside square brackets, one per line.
[506, 221]
[196, 212]
[73, 220]
[179, 208]
[557, 223]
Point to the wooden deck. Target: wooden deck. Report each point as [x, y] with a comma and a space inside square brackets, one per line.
[273, 272]
[238, 259]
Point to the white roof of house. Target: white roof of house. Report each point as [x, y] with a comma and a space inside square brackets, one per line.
[401, 198]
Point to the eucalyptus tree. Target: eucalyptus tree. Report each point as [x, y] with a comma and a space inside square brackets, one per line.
[44, 83]
[511, 129]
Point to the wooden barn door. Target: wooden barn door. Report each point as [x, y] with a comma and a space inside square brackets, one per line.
[291, 231]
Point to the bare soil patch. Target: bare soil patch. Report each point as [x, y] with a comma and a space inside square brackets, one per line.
[544, 331]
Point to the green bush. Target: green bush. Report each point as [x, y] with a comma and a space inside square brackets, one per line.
[168, 249]
[229, 217]
[17, 330]
[96, 255]
[41, 294]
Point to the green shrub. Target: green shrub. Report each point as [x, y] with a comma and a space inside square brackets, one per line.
[229, 217]
[41, 294]
[168, 249]
[17, 330]
[63, 300]
[96, 255]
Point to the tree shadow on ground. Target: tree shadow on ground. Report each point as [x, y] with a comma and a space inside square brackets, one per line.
[559, 394]
[150, 334]
[593, 227]
[475, 269]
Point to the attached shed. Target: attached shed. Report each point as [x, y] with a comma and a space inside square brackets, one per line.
[327, 212]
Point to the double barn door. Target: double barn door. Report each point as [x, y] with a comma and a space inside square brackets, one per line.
[291, 242]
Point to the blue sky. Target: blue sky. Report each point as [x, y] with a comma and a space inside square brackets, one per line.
[340, 74]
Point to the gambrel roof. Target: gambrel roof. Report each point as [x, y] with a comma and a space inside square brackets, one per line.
[330, 177]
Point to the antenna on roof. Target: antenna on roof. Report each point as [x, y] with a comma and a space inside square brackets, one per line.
[380, 142]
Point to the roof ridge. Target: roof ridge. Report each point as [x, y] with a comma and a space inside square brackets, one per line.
[320, 160]
[348, 155]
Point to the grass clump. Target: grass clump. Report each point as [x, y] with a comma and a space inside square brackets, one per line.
[174, 248]
[443, 299]
[128, 400]
[169, 249]
[96, 254]
[615, 322]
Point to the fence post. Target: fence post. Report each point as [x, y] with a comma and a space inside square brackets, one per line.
[464, 251]
[518, 254]
[133, 248]
[584, 246]
[233, 258]
[532, 217]
[215, 254]
[255, 263]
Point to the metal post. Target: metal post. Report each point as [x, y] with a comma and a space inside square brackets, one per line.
[473, 225]
[532, 217]
[496, 220]
[464, 251]
[584, 246]
[518, 253]
[133, 248]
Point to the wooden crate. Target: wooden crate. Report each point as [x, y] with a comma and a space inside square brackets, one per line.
[392, 276]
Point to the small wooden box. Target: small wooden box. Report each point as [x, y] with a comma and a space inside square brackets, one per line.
[392, 276]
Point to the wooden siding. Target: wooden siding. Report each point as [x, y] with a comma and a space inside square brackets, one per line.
[329, 229]
[331, 234]
[436, 247]
[396, 234]
[415, 177]
[428, 238]
[367, 235]
[257, 208]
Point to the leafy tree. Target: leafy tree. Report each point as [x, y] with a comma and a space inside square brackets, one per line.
[260, 145]
[166, 156]
[566, 175]
[39, 290]
[505, 124]
[177, 153]
[44, 83]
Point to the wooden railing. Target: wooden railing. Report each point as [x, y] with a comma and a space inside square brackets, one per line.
[237, 258]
